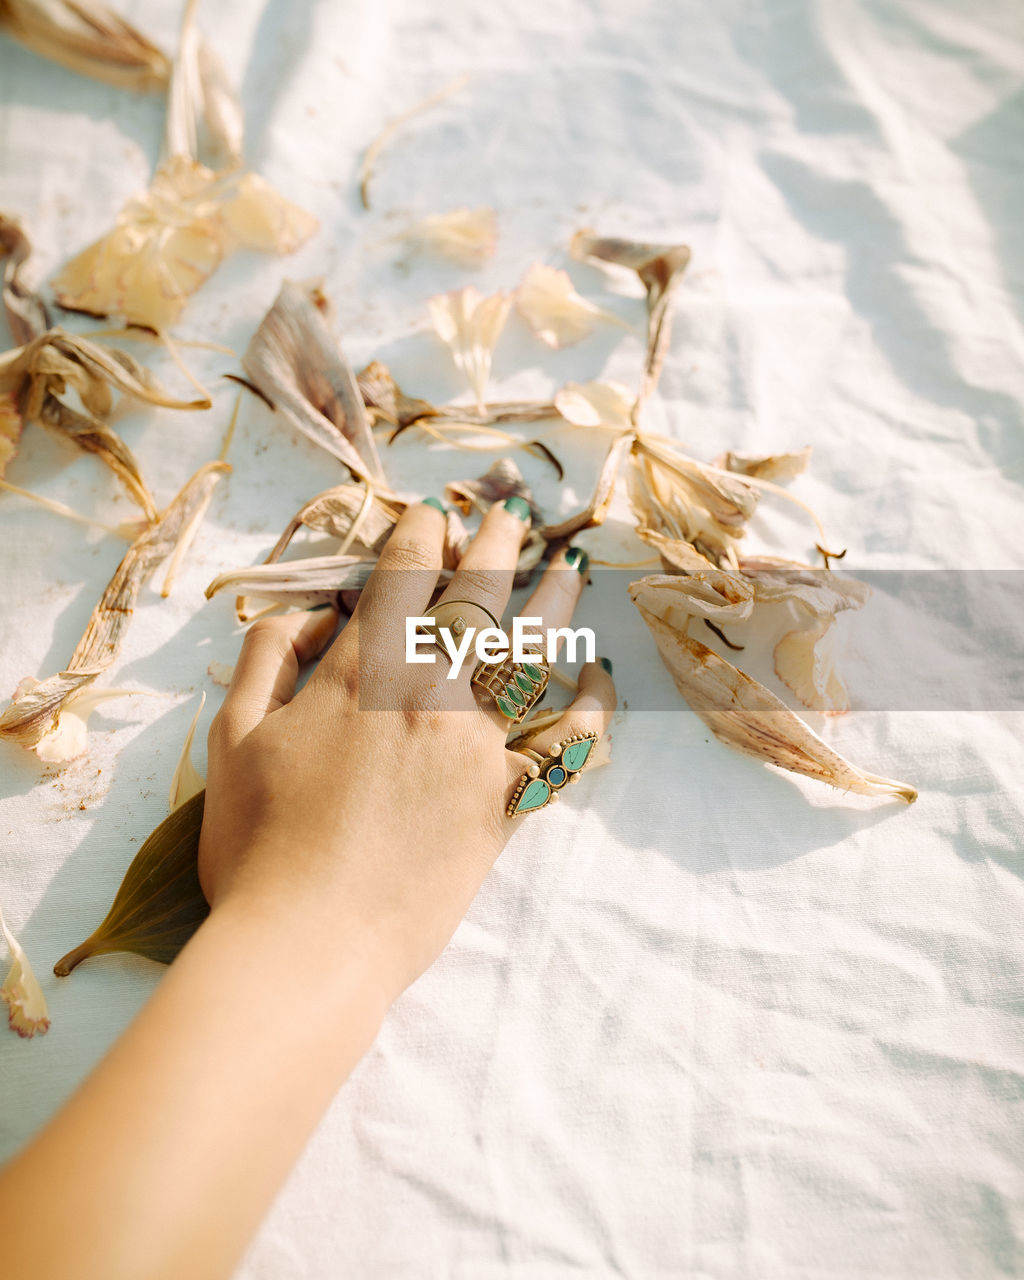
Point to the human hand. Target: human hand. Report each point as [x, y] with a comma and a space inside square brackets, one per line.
[367, 809]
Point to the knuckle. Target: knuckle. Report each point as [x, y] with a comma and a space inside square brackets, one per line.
[409, 553]
[483, 583]
[269, 632]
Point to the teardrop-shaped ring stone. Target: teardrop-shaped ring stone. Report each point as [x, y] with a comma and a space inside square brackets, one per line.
[535, 795]
[574, 756]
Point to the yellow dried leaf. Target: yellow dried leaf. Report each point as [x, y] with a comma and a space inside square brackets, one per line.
[187, 780]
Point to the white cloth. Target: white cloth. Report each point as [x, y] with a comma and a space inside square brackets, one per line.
[704, 1019]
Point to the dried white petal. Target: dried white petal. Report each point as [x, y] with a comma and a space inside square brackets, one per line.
[806, 662]
[553, 309]
[470, 325]
[771, 466]
[596, 404]
[69, 737]
[221, 673]
[26, 1005]
[467, 237]
[187, 781]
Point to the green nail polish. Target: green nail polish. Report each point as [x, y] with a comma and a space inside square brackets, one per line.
[518, 507]
[606, 663]
[437, 504]
[576, 558]
[327, 604]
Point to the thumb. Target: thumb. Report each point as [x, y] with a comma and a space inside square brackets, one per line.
[589, 714]
[268, 667]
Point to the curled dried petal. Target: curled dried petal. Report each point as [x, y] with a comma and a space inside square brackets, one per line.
[221, 673]
[68, 739]
[557, 314]
[27, 1013]
[26, 312]
[597, 508]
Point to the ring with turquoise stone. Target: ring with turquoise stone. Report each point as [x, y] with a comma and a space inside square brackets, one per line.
[515, 687]
[544, 779]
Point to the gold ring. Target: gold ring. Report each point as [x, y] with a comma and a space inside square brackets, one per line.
[452, 614]
[541, 783]
[514, 686]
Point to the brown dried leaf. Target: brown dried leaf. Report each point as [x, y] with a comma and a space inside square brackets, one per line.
[298, 366]
[26, 312]
[744, 714]
[660, 268]
[88, 38]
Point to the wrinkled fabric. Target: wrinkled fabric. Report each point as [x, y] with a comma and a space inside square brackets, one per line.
[703, 1019]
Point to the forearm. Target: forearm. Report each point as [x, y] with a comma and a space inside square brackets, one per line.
[165, 1160]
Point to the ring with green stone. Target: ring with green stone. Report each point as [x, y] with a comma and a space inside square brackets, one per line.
[548, 774]
[515, 687]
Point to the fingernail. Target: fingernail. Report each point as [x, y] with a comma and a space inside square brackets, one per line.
[576, 558]
[518, 507]
[437, 504]
[327, 604]
[606, 663]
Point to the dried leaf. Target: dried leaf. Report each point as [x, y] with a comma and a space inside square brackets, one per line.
[26, 312]
[37, 712]
[298, 366]
[467, 237]
[596, 404]
[596, 510]
[160, 903]
[187, 780]
[385, 400]
[345, 513]
[169, 241]
[26, 1005]
[502, 480]
[744, 714]
[557, 314]
[127, 529]
[470, 325]
[88, 38]
[660, 268]
[772, 466]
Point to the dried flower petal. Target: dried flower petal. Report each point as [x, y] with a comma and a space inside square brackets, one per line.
[26, 312]
[806, 662]
[10, 429]
[160, 903]
[221, 673]
[301, 583]
[596, 404]
[502, 480]
[26, 1005]
[553, 309]
[169, 241]
[297, 365]
[187, 780]
[597, 508]
[204, 117]
[745, 715]
[68, 739]
[88, 38]
[467, 237]
[470, 325]
[772, 466]
[37, 712]
[660, 268]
